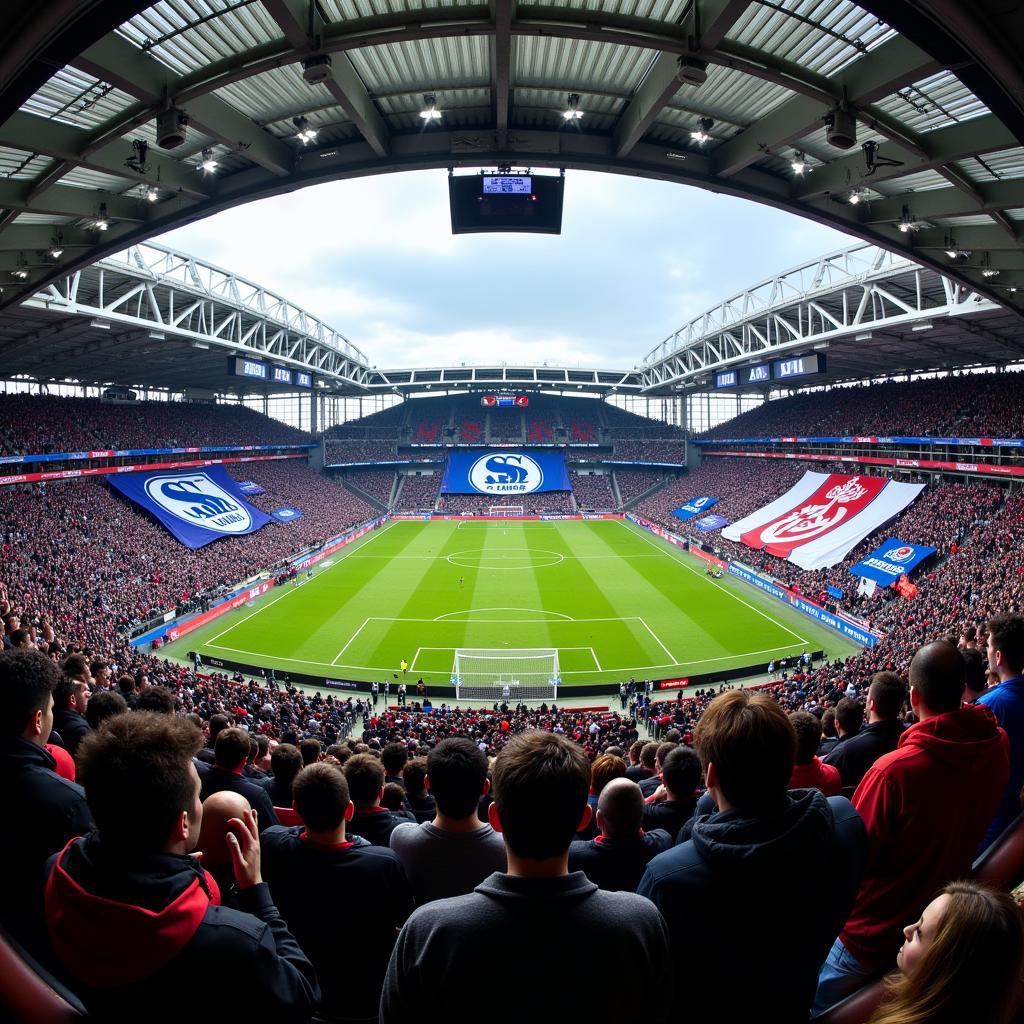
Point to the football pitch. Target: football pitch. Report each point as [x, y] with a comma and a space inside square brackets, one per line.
[613, 600]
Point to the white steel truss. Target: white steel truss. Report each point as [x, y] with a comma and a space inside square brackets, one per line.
[811, 305]
[177, 297]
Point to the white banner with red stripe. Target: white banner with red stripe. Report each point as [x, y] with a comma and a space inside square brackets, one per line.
[823, 517]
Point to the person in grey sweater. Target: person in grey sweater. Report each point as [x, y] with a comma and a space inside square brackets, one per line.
[450, 855]
[536, 913]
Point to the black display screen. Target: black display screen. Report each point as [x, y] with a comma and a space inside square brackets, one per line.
[506, 202]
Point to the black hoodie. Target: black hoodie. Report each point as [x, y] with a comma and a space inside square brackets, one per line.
[767, 896]
[137, 936]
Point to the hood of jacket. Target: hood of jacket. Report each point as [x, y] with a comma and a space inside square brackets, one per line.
[115, 922]
[957, 737]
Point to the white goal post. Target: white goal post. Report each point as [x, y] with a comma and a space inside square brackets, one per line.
[505, 510]
[506, 673]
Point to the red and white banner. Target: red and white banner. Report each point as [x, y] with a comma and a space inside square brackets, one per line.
[823, 517]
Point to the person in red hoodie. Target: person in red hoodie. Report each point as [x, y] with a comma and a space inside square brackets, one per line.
[926, 806]
[135, 923]
[809, 771]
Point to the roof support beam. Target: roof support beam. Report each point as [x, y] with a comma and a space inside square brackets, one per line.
[708, 21]
[947, 202]
[980, 135]
[63, 201]
[344, 84]
[881, 72]
[118, 62]
[501, 61]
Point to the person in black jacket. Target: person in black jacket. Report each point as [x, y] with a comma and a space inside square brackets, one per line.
[42, 810]
[69, 702]
[365, 776]
[673, 804]
[231, 752]
[770, 877]
[615, 859]
[854, 756]
[135, 923]
[285, 764]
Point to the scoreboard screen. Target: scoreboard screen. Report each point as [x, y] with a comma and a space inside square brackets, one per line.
[778, 370]
[504, 401]
[798, 366]
[529, 203]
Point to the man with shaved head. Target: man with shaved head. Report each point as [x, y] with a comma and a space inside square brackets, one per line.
[926, 806]
[218, 810]
[616, 858]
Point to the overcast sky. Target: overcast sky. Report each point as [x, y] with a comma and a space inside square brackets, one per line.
[375, 259]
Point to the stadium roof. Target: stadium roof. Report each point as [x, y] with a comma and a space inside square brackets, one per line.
[929, 103]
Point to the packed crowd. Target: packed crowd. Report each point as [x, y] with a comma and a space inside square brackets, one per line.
[959, 405]
[650, 451]
[43, 424]
[418, 493]
[377, 483]
[360, 450]
[633, 482]
[592, 490]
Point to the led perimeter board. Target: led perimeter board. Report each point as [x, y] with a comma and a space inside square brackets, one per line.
[506, 202]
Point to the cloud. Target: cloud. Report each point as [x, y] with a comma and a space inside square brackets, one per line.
[375, 259]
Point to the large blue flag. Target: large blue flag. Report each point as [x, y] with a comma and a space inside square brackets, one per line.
[197, 505]
[695, 507]
[894, 558]
[504, 474]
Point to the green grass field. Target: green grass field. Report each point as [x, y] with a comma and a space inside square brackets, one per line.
[614, 600]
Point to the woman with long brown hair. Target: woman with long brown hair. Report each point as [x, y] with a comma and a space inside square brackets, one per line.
[961, 962]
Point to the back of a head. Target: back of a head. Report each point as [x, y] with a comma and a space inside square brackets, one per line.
[310, 750]
[1006, 635]
[937, 674]
[218, 810]
[218, 723]
[104, 705]
[975, 669]
[664, 749]
[681, 771]
[365, 776]
[808, 735]
[393, 797]
[751, 744]
[138, 777]
[849, 715]
[413, 775]
[285, 763]
[27, 679]
[888, 692]
[541, 781]
[156, 698]
[75, 666]
[393, 757]
[621, 807]
[604, 769]
[972, 969]
[457, 770]
[231, 748]
[649, 754]
[321, 796]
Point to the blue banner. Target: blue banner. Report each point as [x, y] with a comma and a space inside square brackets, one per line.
[198, 506]
[944, 442]
[250, 488]
[833, 591]
[709, 523]
[505, 474]
[894, 558]
[286, 514]
[694, 507]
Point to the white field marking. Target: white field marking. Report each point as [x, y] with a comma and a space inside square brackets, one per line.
[412, 664]
[596, 662]
[672, 657]
[482, 555]
[714, 583]
[578, 558]
[402, 618]
[334, 660]
[473, 611]
[290, 590]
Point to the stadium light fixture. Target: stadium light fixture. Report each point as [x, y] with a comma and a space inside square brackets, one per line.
[858, 196]
[208, 164]
[987, 270]
[151, 194]
[907, 222]
[101, 223]
[56, 249]
[990, 272]
[799, 163]
[430, 113]
[305, 132]
[21, 270]
[700, 135]
[572, 112]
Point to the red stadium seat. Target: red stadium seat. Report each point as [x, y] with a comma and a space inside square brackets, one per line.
[857, 1008]
[1002, 864]
[287, 816]
[28, 994]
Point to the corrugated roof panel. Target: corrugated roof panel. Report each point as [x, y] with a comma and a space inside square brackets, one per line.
[555, 101]
[284, 127]
[168, 31]
[934, 102]
[733, 94]
[994, 166]
[669, 11]
[73, 97]
[922, 181]
[456, 116]
[387, 69]
[18, 165]
[603, 66]
[411, 103]
[345, 10]
[85, 177]
[974, 220]
[42, 218]
[263, 96]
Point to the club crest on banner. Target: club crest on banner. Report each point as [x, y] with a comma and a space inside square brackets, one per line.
[196, 499]
[506, 474]
[811, 520]
[903, 554]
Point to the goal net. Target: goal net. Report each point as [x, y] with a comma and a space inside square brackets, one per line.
[505, 510]
[505, 673]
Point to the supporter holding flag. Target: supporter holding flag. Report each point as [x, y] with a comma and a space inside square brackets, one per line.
[135, 922]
